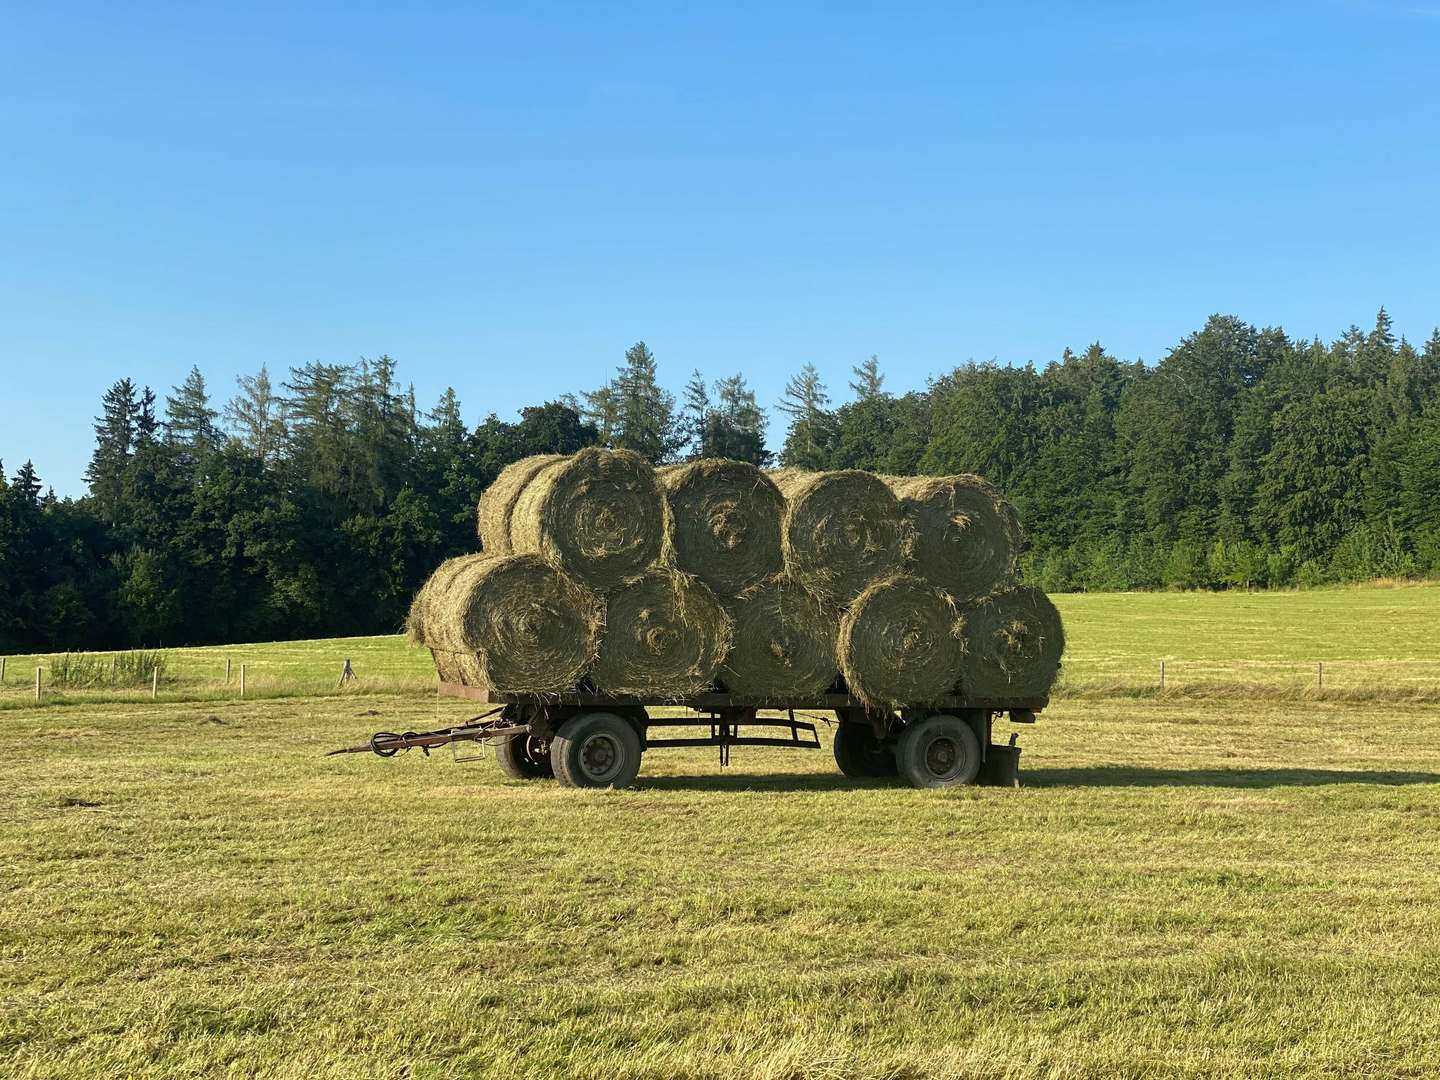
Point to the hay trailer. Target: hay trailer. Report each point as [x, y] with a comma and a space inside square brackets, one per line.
[590, 740]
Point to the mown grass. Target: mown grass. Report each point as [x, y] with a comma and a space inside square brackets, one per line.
[1188, 888]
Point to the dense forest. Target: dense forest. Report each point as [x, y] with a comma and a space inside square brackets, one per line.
[316, 504]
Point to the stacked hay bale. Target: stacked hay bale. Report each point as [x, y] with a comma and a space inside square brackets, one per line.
[600, 571]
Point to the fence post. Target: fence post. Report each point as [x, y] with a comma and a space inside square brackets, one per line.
[154, 682]
[242, 680]
[1162, 674]
[1319, 675]
[2, 671]
[227, 671]
[37, 686]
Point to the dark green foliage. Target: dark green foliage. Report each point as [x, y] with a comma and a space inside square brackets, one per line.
[1241, 460]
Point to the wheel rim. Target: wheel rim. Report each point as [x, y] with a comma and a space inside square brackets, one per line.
[534, 751]
[601, 757]
[944, 757]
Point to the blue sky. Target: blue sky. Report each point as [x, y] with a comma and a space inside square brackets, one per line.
[503, 197]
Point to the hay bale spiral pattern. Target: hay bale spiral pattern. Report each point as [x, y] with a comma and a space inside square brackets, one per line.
[1015, 643]
[725, 523]
[962, 536]
[784, 643]
[599, 515]
[666, 635]
[514, 623]
[901, 644]
[841, 532]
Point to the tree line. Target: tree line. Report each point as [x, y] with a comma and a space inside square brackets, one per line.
[317, 504]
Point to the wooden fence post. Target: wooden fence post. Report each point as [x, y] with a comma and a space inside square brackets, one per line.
[2, 671]
[1162, 674]
[1319, 675]
[227, 671]
[37, 686]
[154, 682]
[242, 680]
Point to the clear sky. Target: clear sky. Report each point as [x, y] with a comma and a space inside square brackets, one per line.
[504, 196]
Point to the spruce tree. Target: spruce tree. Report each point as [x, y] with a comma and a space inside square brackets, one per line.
[256, 416]
[695, 415]
[189, 420]
[808, 439]
[868, 380]
[115, 436]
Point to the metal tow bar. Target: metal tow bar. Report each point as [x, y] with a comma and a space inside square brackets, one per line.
[389, 743]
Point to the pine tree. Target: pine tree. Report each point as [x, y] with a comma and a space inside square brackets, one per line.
[189, 420]
[735, 428]
[115, 437]
[633, 412]
[27, 484]
[695, 415]
[147, 424]
[257, 417]
[868, 380]
[808, 439]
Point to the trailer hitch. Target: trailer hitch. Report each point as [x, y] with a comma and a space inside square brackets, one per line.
[389, 743]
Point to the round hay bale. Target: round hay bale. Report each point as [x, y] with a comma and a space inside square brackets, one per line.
[599, 515]
[841, 532]
[725, 523]
[901, 644]
[665, 636]
[497, 502]
[1014, 641]
[784, 643]
[421, 627]
[962, 536]
[515, 624]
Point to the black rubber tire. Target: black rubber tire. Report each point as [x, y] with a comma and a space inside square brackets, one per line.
[859, 754]
[521, 758]
[939, 751]
[596, 750]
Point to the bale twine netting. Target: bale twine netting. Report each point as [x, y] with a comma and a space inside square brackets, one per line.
[841, 532]
[962, 535]
[513, 623]
[725, 523]
[665, 636]
[599, 515]
[1014, 643]
[901, 643]
[784, 643]
[497, 502]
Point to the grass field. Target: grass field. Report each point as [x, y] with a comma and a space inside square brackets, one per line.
[1375, 643]
[1186, 886]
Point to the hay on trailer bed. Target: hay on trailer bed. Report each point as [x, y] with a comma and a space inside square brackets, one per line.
[725, 523]
[784, 643]
[422, 624]
[962, 535]
[901, 644]
[841, 532]
[600, 515]
[514, 623]
[665, 636]
[497, 502]
[1014, 643]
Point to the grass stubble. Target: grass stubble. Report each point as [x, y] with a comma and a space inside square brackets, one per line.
[1186, 886]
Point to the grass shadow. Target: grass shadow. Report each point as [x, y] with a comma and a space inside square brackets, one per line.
[732, 781]
[1134, 776]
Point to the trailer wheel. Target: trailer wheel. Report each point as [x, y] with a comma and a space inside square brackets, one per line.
[596, 750]
[860, 754]
[524, 757]
[938, 751]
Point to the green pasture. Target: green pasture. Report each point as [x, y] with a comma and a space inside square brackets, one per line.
[1183, 888]
[1375, 643]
